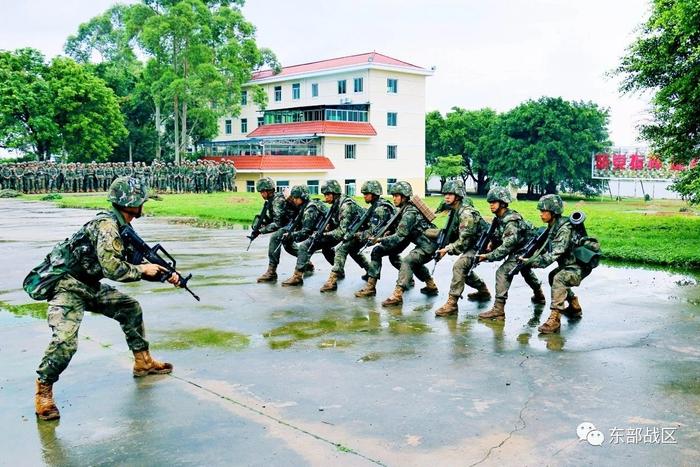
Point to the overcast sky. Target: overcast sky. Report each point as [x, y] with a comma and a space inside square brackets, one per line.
[487, 53]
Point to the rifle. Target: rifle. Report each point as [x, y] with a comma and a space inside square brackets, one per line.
[482, 243]
[257, 225]
[141, 252]
[321, 226]
[530, 249]
[382, 229]
[291, 226]
[360, 221]
[444, 237]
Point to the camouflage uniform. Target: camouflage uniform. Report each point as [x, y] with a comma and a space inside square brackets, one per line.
[311, 212]
[97, 252]
[7, 176]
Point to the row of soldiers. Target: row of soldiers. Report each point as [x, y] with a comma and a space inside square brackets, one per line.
[339, 227]
[48, 177]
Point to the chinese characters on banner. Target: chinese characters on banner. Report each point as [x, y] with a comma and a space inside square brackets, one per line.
[634, 165]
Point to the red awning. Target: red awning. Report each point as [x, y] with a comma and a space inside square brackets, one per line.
[318, 128]
[268, 163]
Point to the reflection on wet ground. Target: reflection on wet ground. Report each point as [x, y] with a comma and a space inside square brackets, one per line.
[291, 376]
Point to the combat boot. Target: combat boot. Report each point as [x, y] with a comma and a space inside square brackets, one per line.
[449, 308]
[309, 269]
[144, 365]
[574, 310]
[369, 290]
[296, 280]
[497, 312]
[552, 324]
[538, 297]
[270, 275]
[430, 288]
[396, 297]
[331, 284]
[482, 294]
[44, 405]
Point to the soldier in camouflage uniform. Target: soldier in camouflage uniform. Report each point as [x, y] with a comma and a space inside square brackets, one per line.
[109, 176]
[96, 251]
[6, 176]
[383, 211]
[349, 212]
[278, 213]
[561, 241]
[410, 229]
[99, 177]
[53, 172]
[345, 212]
[511, 234]
[471, 227]
[39, 178]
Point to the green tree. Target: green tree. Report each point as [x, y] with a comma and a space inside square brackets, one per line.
[26, 104]
[665, 59]
[448, 167]
[547, 145]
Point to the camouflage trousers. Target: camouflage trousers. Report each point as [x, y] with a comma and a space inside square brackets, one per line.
[561, 280]
[325, 244]
[378, 254]
[66, 309]
[503, 283]
[274, 248]
[415, 261]
[351, 247]
[459, 277]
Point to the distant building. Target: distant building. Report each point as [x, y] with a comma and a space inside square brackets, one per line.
[351, 118]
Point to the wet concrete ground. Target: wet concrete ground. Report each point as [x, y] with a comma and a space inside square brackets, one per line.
[266, 375]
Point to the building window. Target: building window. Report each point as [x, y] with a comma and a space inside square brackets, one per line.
[313, 186]
[278, 93]
[341, 86]
[244, 125]
[390, 183]
[281, 185]
[250, 186]
[228, 127]
[391, 119]
[349, 187]
[392, 85]
[261, 121]
[244, 97]
[296, 91]
[350, 151]
[391, 151]
[314, 89]
[358, 84]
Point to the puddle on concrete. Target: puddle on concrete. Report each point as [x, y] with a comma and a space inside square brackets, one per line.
[183, 339]
[375, 356]
[286, 335]
[36, 310]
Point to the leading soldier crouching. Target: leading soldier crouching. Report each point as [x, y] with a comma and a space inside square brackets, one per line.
[78, 264]
[561, 241]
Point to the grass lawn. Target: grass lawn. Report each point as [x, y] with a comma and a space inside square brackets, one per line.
[654, 232]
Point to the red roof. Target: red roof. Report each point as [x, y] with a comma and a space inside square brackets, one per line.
[321, 127]
[264, 163]
[340, 62]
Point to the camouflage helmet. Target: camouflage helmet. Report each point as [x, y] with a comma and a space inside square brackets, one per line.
[331, 186]
[499, 193]
[551, 203]
[402, 188]
[455, 187]
[373, 187]
[299, 191]
[265, 184]
[127, 192]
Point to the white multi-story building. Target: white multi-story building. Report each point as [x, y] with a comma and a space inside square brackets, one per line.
[352, 119]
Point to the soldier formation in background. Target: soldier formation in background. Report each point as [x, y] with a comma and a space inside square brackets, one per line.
[48, 177]
[302, 226]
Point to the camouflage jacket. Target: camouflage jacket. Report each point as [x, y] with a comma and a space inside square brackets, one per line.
[278, 212]
[96, 251]
[312, 212]
[511, 234]
[560, 245]
[348, 212]
[471, 226]
[382, 213]
[411, 226]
